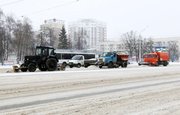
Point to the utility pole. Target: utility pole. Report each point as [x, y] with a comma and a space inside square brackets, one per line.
[140, 43]
[41, 37]
[140, 48]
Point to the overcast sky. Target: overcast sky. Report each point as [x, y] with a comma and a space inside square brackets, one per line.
[151, 18]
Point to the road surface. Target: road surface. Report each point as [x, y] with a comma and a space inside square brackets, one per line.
[92, 91]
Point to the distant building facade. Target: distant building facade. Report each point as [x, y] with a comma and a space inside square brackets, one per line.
[173, 45]
[110, 46]
[51, 30]
[87, 34]
[165, 40]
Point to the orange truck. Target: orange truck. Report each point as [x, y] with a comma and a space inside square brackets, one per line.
[155, 59]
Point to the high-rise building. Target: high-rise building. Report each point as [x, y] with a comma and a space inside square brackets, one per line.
[87, 34]
[51, 30]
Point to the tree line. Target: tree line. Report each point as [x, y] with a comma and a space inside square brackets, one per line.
[18, 37]
[136, 45]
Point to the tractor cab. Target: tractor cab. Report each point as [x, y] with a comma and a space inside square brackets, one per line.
[44, 51]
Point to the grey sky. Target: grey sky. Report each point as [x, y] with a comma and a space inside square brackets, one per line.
[151, 18]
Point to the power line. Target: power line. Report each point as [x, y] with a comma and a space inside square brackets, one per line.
[10, 3]
[54, 7]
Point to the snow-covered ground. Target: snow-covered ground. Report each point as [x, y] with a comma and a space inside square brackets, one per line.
[9, 68]
[133, 90]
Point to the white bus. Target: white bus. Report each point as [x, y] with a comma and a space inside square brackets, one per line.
[64, 57]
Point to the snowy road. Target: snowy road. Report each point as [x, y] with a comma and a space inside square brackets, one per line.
[92, 91]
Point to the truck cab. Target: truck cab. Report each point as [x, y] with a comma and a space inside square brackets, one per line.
[113, 59]
[107, 59]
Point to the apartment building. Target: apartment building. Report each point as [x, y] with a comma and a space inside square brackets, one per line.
[87, 33]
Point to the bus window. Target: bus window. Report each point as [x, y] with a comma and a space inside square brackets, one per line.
[66, 56]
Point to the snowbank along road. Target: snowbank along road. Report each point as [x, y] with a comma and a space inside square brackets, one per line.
[134, 90]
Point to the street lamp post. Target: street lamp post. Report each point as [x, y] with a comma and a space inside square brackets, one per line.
[140, 48]
[140, 43]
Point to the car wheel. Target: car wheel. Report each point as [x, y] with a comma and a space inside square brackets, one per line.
[78, 65]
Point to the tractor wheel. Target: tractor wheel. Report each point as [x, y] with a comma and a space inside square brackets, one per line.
[23, 68]
[51, 64]
[32, 67]
[42, 67]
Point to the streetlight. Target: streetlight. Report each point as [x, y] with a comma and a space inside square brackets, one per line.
[140, 48]
[140, 42]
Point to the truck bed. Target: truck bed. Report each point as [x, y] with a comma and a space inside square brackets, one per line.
[90, 61]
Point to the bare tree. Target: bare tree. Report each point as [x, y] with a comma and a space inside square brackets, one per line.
[136, 44]
[41, 39]
[131, 42]
[10, 23]
[28, 37]
[2, 44]
[24, 41]
[173, 50]
[6, 28]
[2, 36]
[146, 46]
[15, 36]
